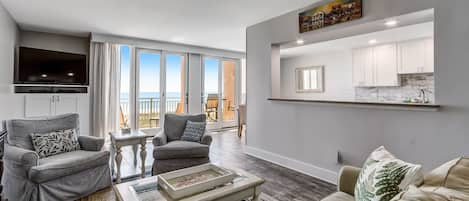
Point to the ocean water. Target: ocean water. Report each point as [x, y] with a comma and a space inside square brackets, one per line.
[169, 95]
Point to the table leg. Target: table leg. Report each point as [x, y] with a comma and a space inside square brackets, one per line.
[143, 155]
[257, 193]
[135, 149]
[113, 156]
[118, 163]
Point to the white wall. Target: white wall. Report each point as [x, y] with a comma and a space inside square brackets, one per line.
[307, 137]
[10, 104]
[338, 83]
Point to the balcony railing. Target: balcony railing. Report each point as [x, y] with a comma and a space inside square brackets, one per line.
[148, 111]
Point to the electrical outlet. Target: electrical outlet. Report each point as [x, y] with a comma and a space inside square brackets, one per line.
[339, 157]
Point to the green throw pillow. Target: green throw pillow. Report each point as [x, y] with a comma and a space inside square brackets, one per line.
[383, 176]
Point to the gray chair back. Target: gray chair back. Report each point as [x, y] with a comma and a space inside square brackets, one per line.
[174, 124]
[19, 130]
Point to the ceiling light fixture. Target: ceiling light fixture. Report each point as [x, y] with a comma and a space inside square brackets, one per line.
[44, 75]
[372, 41]
[300, 42]
[391, 23]
[70, 74]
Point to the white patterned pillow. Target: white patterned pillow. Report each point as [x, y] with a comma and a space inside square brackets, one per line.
[57, 142]
[383, 176]
[193, 131]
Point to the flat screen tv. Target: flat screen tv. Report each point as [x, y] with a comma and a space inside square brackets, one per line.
[36, 66]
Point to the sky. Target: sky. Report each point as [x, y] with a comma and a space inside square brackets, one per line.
[150, 72]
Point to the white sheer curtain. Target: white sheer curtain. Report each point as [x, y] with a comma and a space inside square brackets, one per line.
[105, 76]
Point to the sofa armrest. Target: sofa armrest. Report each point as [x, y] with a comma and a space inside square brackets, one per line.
[90, 143]
[348, 176]
[20, 156]
[160, 139]
[206, 139]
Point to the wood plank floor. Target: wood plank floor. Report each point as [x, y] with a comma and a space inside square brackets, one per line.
[281, 183]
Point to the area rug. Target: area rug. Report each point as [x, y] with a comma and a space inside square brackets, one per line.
[108, 195]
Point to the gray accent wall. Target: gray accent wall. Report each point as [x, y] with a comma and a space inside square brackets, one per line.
[311, 134]
[9, 37]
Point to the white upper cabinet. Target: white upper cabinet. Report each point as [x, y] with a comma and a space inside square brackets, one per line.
[363, 67]
[375, 66]
[416, 56]
[385, 64]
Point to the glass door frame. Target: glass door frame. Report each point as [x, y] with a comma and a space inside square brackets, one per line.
[135, 84]
[219, 123]
[186, 77]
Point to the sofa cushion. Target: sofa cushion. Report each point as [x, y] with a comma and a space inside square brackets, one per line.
[453, 175]
[69, 163]
[19, 130]
[193, 131]
[56, 142]
[383, 176]
[175, 124]
[180, 149]
[339, 196]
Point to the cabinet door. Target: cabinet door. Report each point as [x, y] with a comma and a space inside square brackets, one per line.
[66, 104]
[363, 67]
[385, 65]
[411, 57]
[38, 105]
[429, 65]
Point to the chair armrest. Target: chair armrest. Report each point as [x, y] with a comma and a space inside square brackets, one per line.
[160, 139]
[20, 156]
[206, 139]
[90, 143]
[348, 176]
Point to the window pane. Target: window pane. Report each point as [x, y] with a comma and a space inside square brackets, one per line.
[229, 87]
[175, 77]
[124, 111]
[149, 90]
[314, 79]
[211, 90]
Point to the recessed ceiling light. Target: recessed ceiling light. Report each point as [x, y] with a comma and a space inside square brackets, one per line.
[70, 74]
[44, 75]
[300, 41]
[372, 41]
[391, 23]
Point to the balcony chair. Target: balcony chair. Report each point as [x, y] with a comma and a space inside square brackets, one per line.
[66, 176]
[170, 153]
[211, 107]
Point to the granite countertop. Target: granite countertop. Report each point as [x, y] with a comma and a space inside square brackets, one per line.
[362, 103]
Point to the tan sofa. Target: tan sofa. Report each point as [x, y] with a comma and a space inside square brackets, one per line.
[448, 182]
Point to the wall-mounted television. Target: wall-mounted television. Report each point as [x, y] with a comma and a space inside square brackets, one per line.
[37, 66]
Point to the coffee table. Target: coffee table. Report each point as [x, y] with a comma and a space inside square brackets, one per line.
[245, 186]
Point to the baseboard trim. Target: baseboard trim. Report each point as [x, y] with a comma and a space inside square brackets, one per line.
[299, 166]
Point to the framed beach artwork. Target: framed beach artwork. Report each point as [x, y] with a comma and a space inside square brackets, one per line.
[334, 12]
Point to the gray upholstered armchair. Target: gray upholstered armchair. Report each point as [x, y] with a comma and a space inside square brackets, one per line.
[170, 153]
[66, 176]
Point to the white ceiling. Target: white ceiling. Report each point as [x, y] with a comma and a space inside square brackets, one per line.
[390, 35]
[211, 23]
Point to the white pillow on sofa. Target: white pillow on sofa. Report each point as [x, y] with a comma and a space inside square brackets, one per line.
[383, 176]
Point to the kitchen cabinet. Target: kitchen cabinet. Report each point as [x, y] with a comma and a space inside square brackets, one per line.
[416, 56]
[385, 65]
[375, 66]
[363, 67]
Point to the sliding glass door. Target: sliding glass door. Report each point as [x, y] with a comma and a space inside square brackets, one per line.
[220, 91]
[149, 96]
[176, 83]
[153, 83]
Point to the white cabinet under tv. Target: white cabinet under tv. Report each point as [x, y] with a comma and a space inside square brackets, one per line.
[43, 105]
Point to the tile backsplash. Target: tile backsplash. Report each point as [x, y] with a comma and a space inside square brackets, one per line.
[411, 84]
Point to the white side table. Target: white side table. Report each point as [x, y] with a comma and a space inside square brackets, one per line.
[134, 138]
